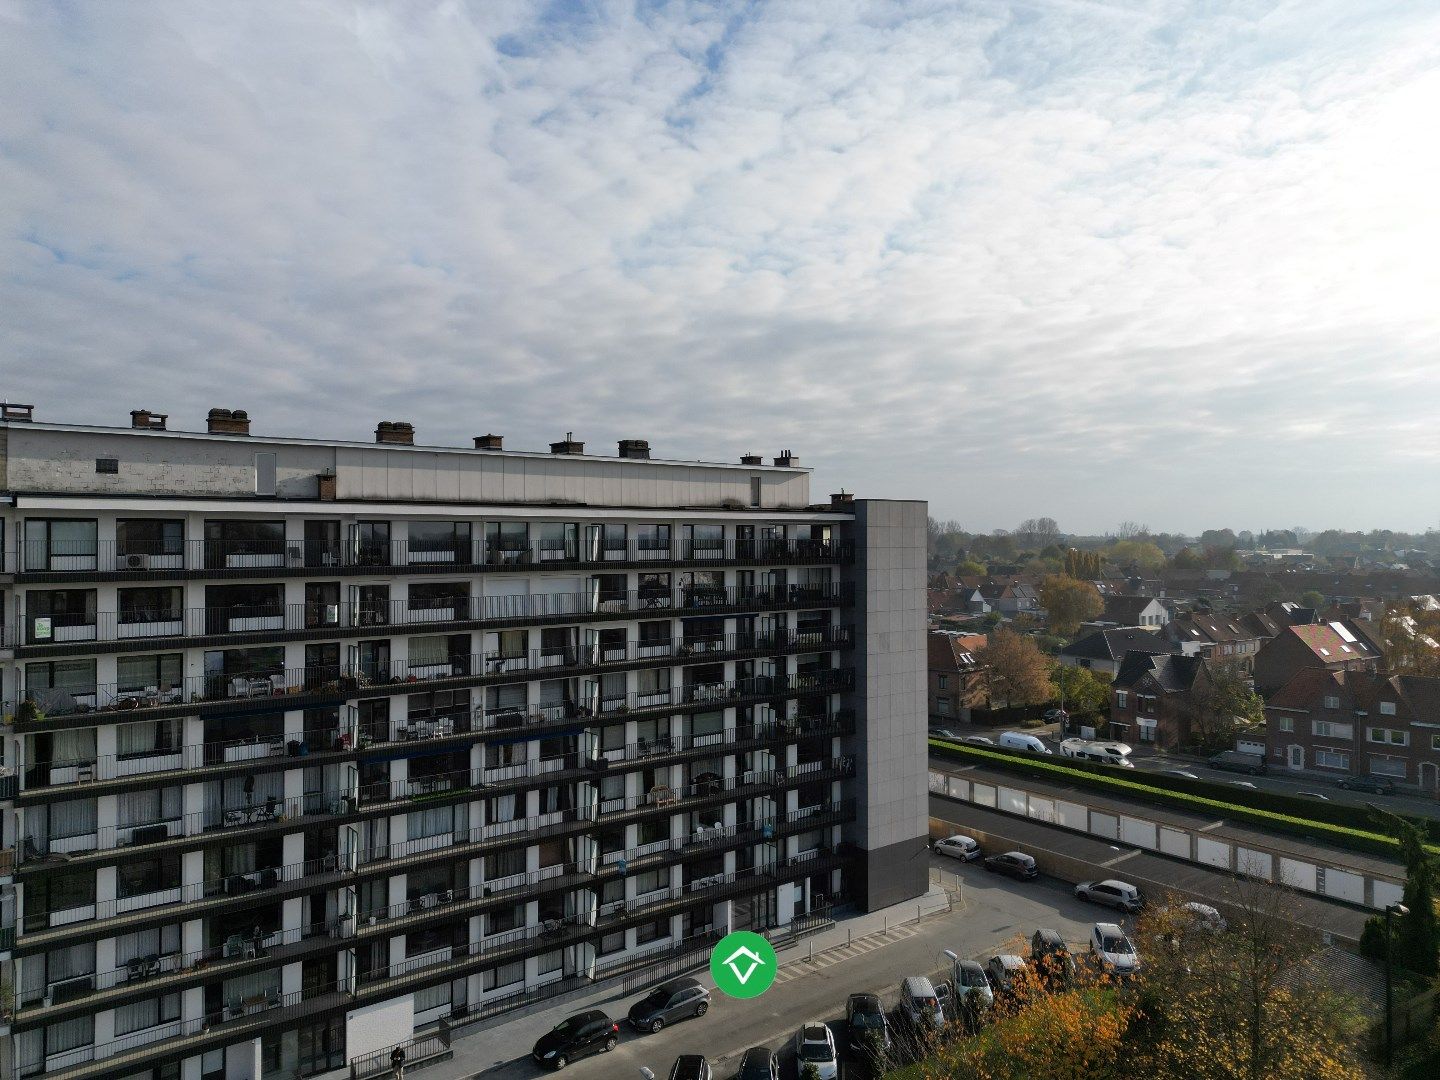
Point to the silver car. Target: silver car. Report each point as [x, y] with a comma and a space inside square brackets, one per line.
[815, 1045]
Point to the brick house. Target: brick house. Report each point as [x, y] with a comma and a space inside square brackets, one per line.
[1150, 695]
[1357, 721]
[1122, 610]
[1103, 650]
[1321, 646]
[1225, 638]
[956, 679]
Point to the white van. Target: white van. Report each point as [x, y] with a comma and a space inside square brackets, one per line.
[1019, 740]
[919, 1003]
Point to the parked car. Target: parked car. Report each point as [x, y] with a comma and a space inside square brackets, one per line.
[1056, 716]
[1019, 740]
[1105, 753]
[814, 1045]
[1184, 774]
[1374, 785]
[919, 1003]
[972, 988]
[1243, 783]
[1014, 864]
[672, 1001]
[575, 1037]
[1005, 972]
[1238, 761]
[691, 1067]
[1116, 894]
[943, 733]
[978, 740]
[759, 1063]
[1113, 950]
[1050, 957]
[962, 847]
[865, 1024]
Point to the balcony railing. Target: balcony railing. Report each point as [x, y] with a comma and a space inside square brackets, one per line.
[260, 556]
[70, 628]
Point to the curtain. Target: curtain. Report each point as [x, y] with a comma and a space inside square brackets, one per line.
[137, 1015]
[432, 997]
[425, 651]
[76, 818]
[76, 745]
[69, 1034]
[430, 822]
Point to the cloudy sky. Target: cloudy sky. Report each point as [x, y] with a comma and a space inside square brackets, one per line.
[1168, 262]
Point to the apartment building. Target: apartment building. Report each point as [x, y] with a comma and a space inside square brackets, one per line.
[309, 745]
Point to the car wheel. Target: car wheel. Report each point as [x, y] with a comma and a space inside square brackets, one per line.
[656, 1025]
[1082, 895]
[610, 1044]
[561, 1062]
[701, 1008]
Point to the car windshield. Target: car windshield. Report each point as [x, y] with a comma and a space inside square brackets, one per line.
[815, 1051]
[972, 978]
[1117, 945]
[868, 1019]
[656, 998]
[570, 1025]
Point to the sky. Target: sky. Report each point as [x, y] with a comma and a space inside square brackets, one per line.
[1174, 263]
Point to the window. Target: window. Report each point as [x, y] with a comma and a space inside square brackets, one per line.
[440, 541]
[506, 974]
[660, 928]
[1331, 701]
[152, 605]
[1388, 736]
[1387, 708]
[147, 1013]
[265, 468]
[1387, 766]
[1435, 742]
[161, 672]
[147, 876]
[1121, 697]
[52, 682]
[559, 540]
[549, 962]
[234, 542]
[432, 997]
[943, 682]
[58, 544]
[942, 706]
[1325, 729]
[60, 615]
[1331, 759]
[755, 486]
[148, 737]
[107, 465]
[147, 536]
[1285, 723]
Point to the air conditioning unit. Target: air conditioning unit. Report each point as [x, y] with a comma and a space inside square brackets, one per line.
[132, 562]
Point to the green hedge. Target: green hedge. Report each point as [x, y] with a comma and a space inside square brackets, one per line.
[1297, 806]
[1342, 836]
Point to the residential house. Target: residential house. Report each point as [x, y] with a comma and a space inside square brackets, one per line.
[1333, 646]
[1150, 695]
[1103, 651]
[1358, 721]
[1122, 610]
[956, 676]
[1223, 638]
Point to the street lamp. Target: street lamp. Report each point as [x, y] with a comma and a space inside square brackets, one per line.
[646, 1073]
[1391, 910]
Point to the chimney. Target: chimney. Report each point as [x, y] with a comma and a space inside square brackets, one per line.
[327, 485]
[489, 442]
[145, 420]
[228, 422]
[395, 432]
[842, 502]
[11, 411]
[634, 448]
[752, 459]
[786, 459]
[568, 445]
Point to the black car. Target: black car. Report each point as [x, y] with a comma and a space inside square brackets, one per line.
[577, 1036]
[690, 1067]
[1015, 864]
[672, 1001]
[866, 1026]
[1051, 957]
[1375, 785]
[759, 1063]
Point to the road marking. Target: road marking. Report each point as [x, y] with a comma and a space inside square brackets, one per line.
[1121, 858]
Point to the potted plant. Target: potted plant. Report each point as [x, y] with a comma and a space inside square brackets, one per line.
[28, 712]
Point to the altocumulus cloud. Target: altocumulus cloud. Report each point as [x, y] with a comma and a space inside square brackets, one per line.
[1155, 260]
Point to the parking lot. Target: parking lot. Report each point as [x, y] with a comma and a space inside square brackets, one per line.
[998, 914]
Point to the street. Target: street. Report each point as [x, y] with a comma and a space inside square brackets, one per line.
[997, 913]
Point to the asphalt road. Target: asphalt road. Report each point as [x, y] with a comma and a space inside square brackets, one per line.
[1280, 781]
[998, 916]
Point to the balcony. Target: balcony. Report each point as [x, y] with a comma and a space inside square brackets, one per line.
[79, 633]
[117, 560]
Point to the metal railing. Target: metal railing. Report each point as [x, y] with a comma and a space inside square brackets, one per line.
[238, 556]
[257, 620]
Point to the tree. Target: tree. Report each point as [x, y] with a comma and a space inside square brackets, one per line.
[1018, 672]
[970, 568]
[1084, 692]
[1312, 598]
[1220, 704]
[810, 1071]
[1142, 553]
[1416, 945]
[1247, 1003]
[1069, 602]
[1408, 636]
[1084, 565]
[1033, 533]
[1186, 559]
[1130, 530]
